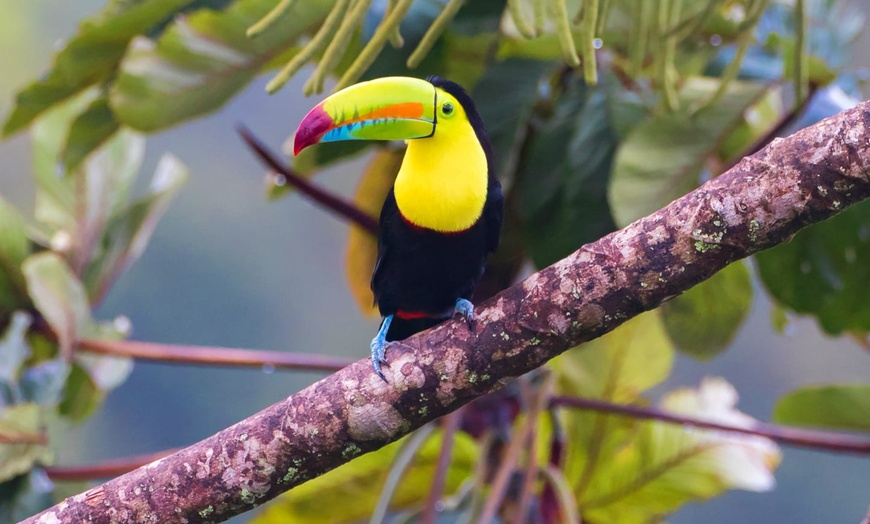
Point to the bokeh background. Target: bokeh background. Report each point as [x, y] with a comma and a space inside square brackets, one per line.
[227, 268]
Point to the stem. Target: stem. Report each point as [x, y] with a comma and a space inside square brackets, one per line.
[434, 31]
[804, 438]
[320, 39]
[404, 458]
[637, 44]
[563, 31]
[372, 49]
[589, 23]
[801, 60]
[451, 424]
[271, 17]
[335, 204]
[499, 484]
[539, 11]
[516, 13]
[539, 400]
[353, 17]
[213, 356]
[564, 495]
[396, 39]
[13, 437]
[103, 470]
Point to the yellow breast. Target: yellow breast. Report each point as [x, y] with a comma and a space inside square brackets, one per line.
[443, 181]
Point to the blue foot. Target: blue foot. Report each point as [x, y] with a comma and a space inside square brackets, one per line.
[466, 309]
[379, 346]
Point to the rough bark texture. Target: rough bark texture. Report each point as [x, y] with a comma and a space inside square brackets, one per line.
[763, 200]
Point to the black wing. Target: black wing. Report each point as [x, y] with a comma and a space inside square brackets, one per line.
[389, 212]
[493, 214]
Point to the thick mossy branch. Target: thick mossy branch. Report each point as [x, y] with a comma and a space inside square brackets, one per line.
[762, 201]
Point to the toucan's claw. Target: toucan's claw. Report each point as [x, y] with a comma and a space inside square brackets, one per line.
[466, 309]
[379, 347]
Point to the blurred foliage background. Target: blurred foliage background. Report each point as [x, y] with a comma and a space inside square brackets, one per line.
[206, 279]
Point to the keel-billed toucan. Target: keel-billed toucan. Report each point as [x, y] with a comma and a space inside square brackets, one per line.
[442, 217]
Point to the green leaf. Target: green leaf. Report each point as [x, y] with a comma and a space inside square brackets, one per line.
[128, 232]
[834, 406]
[563, 177]
[59, 296]
[108, 176]
[617, 367]
[55, 197]
[353, 488]
[823, 271]
[201, 61]
[20, 437]
[667, 466]
[81, 396]
[89, 58]
[88, 131]
[758, 121]
[704, 320]
[507, 111]
[26, 495]
[103, 184]
[14, 248]
[470, 58]
[662, 158]
[13, 348]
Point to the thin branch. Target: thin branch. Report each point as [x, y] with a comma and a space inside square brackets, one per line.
[764, 200]
[214, 356]
[331, 202]
[13, 438]
[804, 438]
[539, 401]
[450, 424]
[499, 485]
[403, 459]
[103, 470]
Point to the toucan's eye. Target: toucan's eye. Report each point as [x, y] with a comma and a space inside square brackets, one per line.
[447, 109]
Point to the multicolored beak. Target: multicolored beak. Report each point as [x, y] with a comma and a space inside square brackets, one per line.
[391, 108]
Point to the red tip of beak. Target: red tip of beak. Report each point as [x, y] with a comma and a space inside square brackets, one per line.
[312, 128]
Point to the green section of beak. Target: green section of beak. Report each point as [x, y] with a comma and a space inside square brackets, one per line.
[392, 108]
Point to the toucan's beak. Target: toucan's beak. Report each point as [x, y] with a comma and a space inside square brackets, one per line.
[392, 108]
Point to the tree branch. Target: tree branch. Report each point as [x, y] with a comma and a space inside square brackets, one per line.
[335, 204]
[826, 440]
[214, 356]
[761, 202]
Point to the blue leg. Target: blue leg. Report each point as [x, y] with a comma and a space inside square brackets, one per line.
[379, 346]
[466, 309]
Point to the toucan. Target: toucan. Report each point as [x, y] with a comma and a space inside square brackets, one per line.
[443, 215]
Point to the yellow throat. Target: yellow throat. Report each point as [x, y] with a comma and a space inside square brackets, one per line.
[443, 179]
